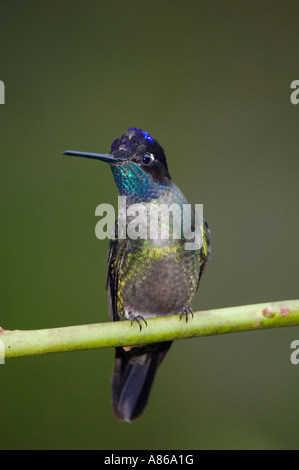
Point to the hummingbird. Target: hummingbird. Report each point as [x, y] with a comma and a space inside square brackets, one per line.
[145, 278]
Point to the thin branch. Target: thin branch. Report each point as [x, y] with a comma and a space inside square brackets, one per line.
[103, 335]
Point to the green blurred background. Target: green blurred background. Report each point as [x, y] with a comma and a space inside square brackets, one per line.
[211, 81]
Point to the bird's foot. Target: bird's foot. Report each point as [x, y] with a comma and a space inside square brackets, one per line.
[186, 311]
[138, 319]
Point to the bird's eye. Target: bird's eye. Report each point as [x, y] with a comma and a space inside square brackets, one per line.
[147, 158]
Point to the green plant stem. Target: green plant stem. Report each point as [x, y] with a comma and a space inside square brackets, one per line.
[103, 335]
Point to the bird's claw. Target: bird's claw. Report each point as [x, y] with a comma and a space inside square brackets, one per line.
[138, 319]
[186, 311]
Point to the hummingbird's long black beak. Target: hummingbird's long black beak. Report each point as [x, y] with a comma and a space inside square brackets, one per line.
[103, 157]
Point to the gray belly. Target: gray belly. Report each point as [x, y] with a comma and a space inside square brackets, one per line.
[162, 287]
